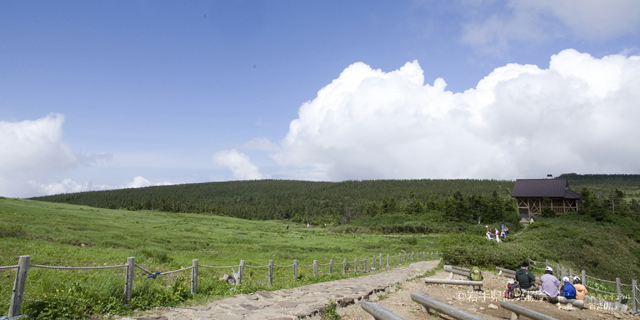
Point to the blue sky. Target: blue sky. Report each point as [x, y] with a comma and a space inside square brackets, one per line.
[101, 95]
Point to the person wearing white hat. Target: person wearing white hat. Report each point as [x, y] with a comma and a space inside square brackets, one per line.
[581, 290]
[567, 291]
[550, 284]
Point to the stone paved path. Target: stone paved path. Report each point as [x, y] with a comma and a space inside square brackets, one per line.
[288, 304]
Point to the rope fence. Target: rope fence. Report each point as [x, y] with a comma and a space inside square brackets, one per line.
[8, 267]
[75, 268]
[256, 267]
[607, 281]
[212, 267]
[622, 299]
[376, 263]
[601, 291]
[143, 269]
[174, 271]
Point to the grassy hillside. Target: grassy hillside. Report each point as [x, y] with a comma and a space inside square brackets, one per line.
[604, 249]
[70, 235]
[336, 202]
[604, 183]
[302, 201]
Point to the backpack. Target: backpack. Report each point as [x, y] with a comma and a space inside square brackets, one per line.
[475, 275]
[509, 293]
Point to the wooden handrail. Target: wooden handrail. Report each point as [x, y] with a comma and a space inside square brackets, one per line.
[379, 312]
[456, 271]
[431, 303]
[457, 282]
[518, 310]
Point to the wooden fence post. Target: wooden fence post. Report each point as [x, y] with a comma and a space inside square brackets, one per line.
[387, 261]
[571, 274]
[344, 266]
[373, 262]
[194, 276]
[128, 280]
[331, 266]
[295, 269]
[365, 265]
[18, 286]
[270, 280]
[619, 288]
[634, 294]
[584, 278]
[546, 263]
[411, 255]
[405, 256]
[394, 259]
[315, 268]
[240, 272]
[381, 261]
[356, 268]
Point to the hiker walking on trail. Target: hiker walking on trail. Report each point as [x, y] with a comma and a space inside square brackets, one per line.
[287, 227]
[497, 236]
[550, 283]
[525, 278]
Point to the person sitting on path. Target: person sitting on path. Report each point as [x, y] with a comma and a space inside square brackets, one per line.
[525, 278]
[549, 283]
[581, 290]
[568, 291]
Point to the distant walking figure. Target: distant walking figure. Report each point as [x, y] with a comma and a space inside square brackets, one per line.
[287, 227]
[308, 225]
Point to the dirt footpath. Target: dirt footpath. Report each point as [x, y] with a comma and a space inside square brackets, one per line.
[484, 304]
[296, 303]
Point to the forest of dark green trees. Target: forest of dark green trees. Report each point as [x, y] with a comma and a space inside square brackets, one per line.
[339, 203]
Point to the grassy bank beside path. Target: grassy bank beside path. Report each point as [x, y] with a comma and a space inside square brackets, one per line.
[70, 235]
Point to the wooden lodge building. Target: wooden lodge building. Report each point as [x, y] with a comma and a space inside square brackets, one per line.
[530, 193]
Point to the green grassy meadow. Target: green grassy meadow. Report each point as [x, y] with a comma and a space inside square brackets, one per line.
[71, 235]
[605, 244]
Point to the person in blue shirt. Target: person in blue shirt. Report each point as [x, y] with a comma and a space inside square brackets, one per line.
[569, 290]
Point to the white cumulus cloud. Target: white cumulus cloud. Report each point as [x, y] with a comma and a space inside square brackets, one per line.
[32, 150]
[70, 186]
[579, 115]
[139, 182]
[526, 20]
[240, 165]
